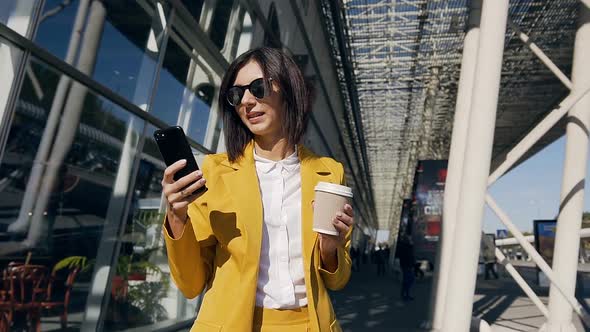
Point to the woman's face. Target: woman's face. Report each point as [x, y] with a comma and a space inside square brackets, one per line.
[263, 116]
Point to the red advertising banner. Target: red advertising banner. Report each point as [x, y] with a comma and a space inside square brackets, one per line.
[427, 207]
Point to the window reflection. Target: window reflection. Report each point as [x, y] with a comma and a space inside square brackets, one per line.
[220, 22]
[10, 58]
[194, 7]
[273, 22]
[246, 35]
[142, 292]
[66, 173]
[16, 14]
[123, 38]
[55, 27]
[65, 210]
[185, 90]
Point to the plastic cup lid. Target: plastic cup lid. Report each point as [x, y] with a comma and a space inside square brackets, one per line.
[334, 189]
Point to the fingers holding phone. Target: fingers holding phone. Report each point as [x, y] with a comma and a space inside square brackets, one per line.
[188, 194]
[184, 191]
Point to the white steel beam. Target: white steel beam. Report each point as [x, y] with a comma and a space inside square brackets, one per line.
[544, 58]
[455, 163]
[476, 167]
[34, 182]
[565, 257]
[521, 282]
[512, 241]
[584, 233]
[537, 133]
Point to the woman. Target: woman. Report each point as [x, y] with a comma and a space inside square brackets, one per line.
[248, 240]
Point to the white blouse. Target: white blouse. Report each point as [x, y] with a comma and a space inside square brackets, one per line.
[281, 283]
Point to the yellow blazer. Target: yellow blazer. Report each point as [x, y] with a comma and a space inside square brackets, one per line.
[219, 249]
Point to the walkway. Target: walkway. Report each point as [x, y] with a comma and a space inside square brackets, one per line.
[372, 302]
[505, 307]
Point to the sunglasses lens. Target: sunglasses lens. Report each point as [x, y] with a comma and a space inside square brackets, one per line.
[257, 88]
[234, 96]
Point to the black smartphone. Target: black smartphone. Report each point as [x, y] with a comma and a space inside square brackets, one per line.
[173, 147]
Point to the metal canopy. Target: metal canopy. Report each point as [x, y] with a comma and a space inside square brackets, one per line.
[405, 56]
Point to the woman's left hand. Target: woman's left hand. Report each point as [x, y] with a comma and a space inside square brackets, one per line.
[330, 243]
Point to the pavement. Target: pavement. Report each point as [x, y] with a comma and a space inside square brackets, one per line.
[371, 302]
[505, 307]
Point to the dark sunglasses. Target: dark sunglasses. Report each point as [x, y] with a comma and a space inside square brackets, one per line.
[258, 88]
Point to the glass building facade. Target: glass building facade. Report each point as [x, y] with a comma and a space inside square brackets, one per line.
[84, 85]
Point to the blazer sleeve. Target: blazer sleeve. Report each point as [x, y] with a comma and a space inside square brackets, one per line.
[339, 278]
[191, 255]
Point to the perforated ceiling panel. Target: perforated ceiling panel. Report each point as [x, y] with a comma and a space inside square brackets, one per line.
[404, 59]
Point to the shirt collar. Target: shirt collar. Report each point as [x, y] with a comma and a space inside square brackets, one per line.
[291, 163]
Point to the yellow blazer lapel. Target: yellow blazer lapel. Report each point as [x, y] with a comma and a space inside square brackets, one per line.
[312, 171]
[243, 186]
[245, 190]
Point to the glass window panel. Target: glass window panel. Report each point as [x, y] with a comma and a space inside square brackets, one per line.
[216, 136]
[186, 90]
[194, 7]
[220, 22]
[273, 22]
[16, 14]
[144, 292]
[55, 27]
[125, 57]
[54, 203]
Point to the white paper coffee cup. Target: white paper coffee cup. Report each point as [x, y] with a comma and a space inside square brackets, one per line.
[329, 199]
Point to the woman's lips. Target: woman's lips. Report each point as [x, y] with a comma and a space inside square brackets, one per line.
[255, 117]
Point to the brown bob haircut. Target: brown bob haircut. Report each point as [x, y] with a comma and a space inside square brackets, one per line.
[295, 92]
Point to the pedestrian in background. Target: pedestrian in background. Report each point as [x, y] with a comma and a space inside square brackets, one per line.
[407, 261]
[380, 260]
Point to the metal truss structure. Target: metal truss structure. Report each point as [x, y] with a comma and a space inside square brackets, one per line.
[404, 59]
[490, 74]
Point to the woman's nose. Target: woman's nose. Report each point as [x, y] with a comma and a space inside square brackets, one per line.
[248, 98]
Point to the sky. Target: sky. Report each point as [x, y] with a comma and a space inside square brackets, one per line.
[531, 190]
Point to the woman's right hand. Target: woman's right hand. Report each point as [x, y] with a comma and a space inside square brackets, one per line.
[178, 198]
